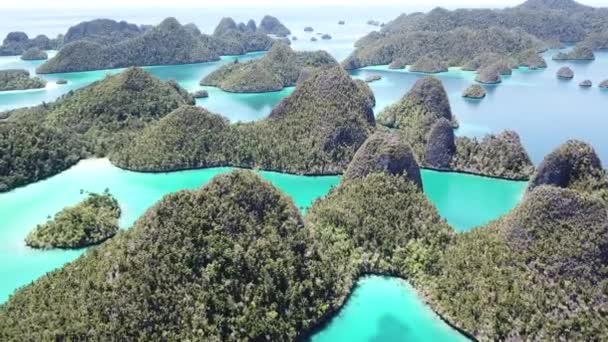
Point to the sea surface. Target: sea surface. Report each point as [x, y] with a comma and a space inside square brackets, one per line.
[542, 109]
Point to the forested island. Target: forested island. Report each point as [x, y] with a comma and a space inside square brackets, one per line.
[92, 221]
[94, 120]
[456, 38]
[315, 130]
[424, 118]
[18, 79]
[279, 68]
[295, 272]
[106, 44]
[34, 54]
[16, 43]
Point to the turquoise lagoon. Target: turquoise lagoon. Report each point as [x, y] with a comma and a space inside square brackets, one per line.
[465, 201]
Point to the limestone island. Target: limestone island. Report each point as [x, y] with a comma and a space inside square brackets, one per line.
[313, 39]
[586, 84]
[604, 84]
[474, 91]
[326, 36]
[89, 223]
[308, 29]
[34, 54]
[92, 121]
[315, 130]
[272, 25]
[61, 81]
[200, 94]
[341, 22]
[16, 43]
[565, 73]
[279, 68]
[489, 75]
[19, 79]
[579, 53]
[373, 78]
[428, 65]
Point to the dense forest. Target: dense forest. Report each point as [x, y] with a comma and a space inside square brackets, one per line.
[267, 273]
[456, 37]
[92, 221]
[18, 79]
[94, 120]
[424, 120]
[279, 68]
[315, 130]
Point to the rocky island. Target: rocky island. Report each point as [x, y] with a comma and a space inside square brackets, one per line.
[579, 53]
[18, 79]
[604, 84]
[272, 25]
[16, 43]
[489, 75]
[34, 54]
[428, 65]
[279, 68]
[89, 223]
[565, 73]
[474, 91]
[586, 84]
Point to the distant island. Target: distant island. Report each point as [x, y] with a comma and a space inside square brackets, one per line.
[106, 44]
[279, 68]
[92, 221]
[457, 38]
[16, 43]
[18, 79]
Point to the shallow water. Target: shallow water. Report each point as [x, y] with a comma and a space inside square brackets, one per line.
[383, 309]
[463, 200]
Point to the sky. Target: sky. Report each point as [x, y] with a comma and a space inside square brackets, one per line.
[261, 3]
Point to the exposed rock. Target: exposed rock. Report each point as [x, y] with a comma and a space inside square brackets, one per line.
[474, 91]
[272, 25]
[586, 84]
[565, 73]
[429, 65]
[373, 78]
[200, 94]
[384, 152]
[441, 147]
[489, 75]
[573, 165]
[579, 53]
[34, 54]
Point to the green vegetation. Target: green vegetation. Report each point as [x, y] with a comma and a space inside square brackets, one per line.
[579, 53]
[474, 91]
[489, 75]
[92, 221]
[16, 43]
[33, 54]
[316, 130]
[384, 152]
[424, 120]
[279, 68]
[452, 48]
[102, 31]
[17, 79]
[41, 141]
[167, 43]
[429, 65]
[458, 37]
[272, 25]
[230, 38]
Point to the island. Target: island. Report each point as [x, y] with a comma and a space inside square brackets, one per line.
[586, 84]
[272, 25]
[428, 65]
[326, 36]
[61, 81]
[308, 29]
[314, 131]
[474, 91]
[459, 36]
[489, 75]
[19, 79]
[34, 54]
[91, 222]
[92, 121]
[565, 73]
[16, 43]
[341, 22]
[278, 69]
[373, 78]
[200, 94]
[579, 53]
[313, 39]
[604, 84]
